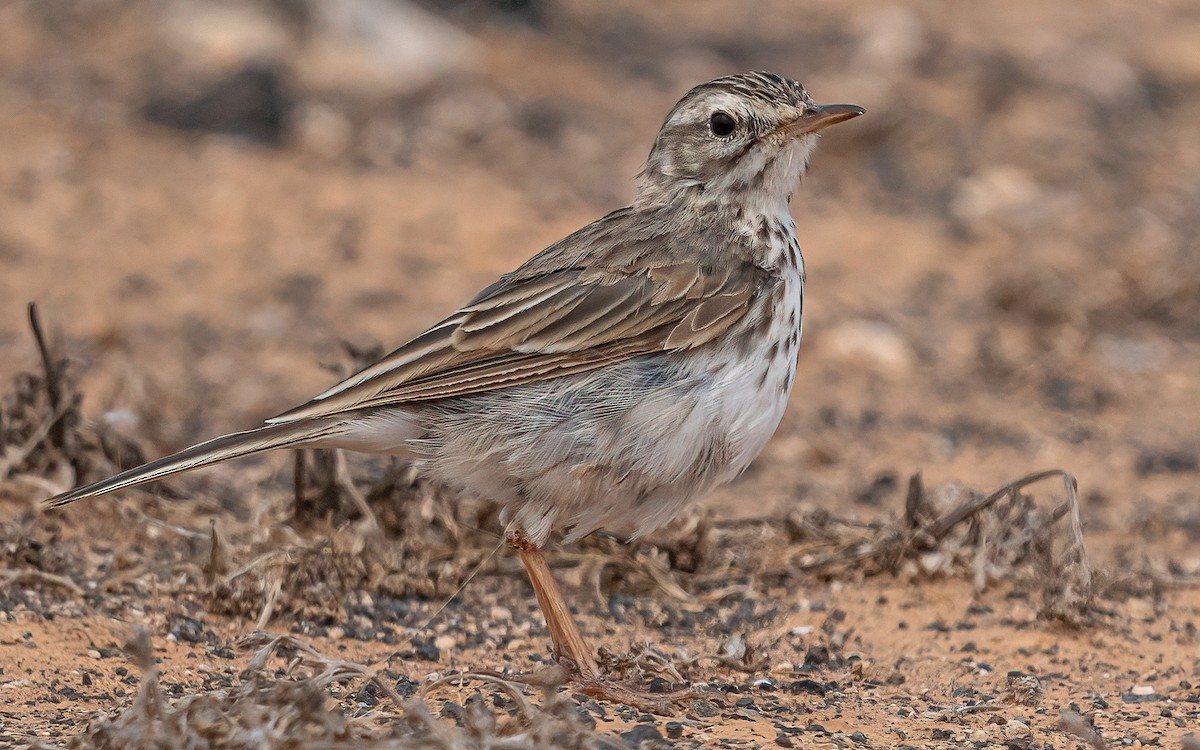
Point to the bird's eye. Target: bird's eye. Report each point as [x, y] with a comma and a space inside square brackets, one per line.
[721, 124]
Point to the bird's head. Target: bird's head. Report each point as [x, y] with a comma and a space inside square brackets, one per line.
[737, 138]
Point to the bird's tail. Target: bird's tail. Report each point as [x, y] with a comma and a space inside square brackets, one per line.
[287, 435]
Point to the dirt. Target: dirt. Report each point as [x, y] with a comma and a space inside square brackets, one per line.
[1003, 277]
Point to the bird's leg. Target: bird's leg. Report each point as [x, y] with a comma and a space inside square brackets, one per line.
[572, 651]
[564, 633]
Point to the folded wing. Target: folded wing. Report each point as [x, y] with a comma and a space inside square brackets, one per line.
[528, 328]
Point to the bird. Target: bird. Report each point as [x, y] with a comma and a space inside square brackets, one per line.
[616, 375]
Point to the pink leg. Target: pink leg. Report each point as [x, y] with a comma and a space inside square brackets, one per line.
[571, 650]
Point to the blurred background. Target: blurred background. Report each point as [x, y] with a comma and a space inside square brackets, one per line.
[208, 198]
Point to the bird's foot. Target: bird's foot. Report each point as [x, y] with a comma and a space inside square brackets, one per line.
[577, 667]
[551, 679]
[630, 693]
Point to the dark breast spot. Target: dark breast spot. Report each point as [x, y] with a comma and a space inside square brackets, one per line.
[713, 456]
[643, 496]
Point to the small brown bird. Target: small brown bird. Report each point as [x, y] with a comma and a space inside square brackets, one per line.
[617, 374]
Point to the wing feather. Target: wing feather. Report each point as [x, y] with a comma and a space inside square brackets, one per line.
[548, 322]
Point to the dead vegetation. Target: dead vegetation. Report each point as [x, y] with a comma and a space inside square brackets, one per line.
[1000, 538]
[45, 442]
[321, 702]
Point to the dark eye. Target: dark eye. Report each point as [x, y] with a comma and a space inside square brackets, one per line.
[721, 124]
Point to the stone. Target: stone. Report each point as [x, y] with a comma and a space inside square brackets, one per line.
[379, 48]
[870, 342]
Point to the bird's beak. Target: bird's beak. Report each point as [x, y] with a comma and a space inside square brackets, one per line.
[820, 116]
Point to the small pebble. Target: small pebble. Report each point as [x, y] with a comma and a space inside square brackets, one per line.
[811, 687]
[640, 734]
[1016, 729]
[451, 710]
[426, 650]
[1140, 697]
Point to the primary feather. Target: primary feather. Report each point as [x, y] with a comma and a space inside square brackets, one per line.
[583, 303]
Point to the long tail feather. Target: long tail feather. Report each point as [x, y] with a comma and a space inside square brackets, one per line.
[288, 435]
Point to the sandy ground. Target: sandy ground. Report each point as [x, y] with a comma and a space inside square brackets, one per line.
[1004, 277]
